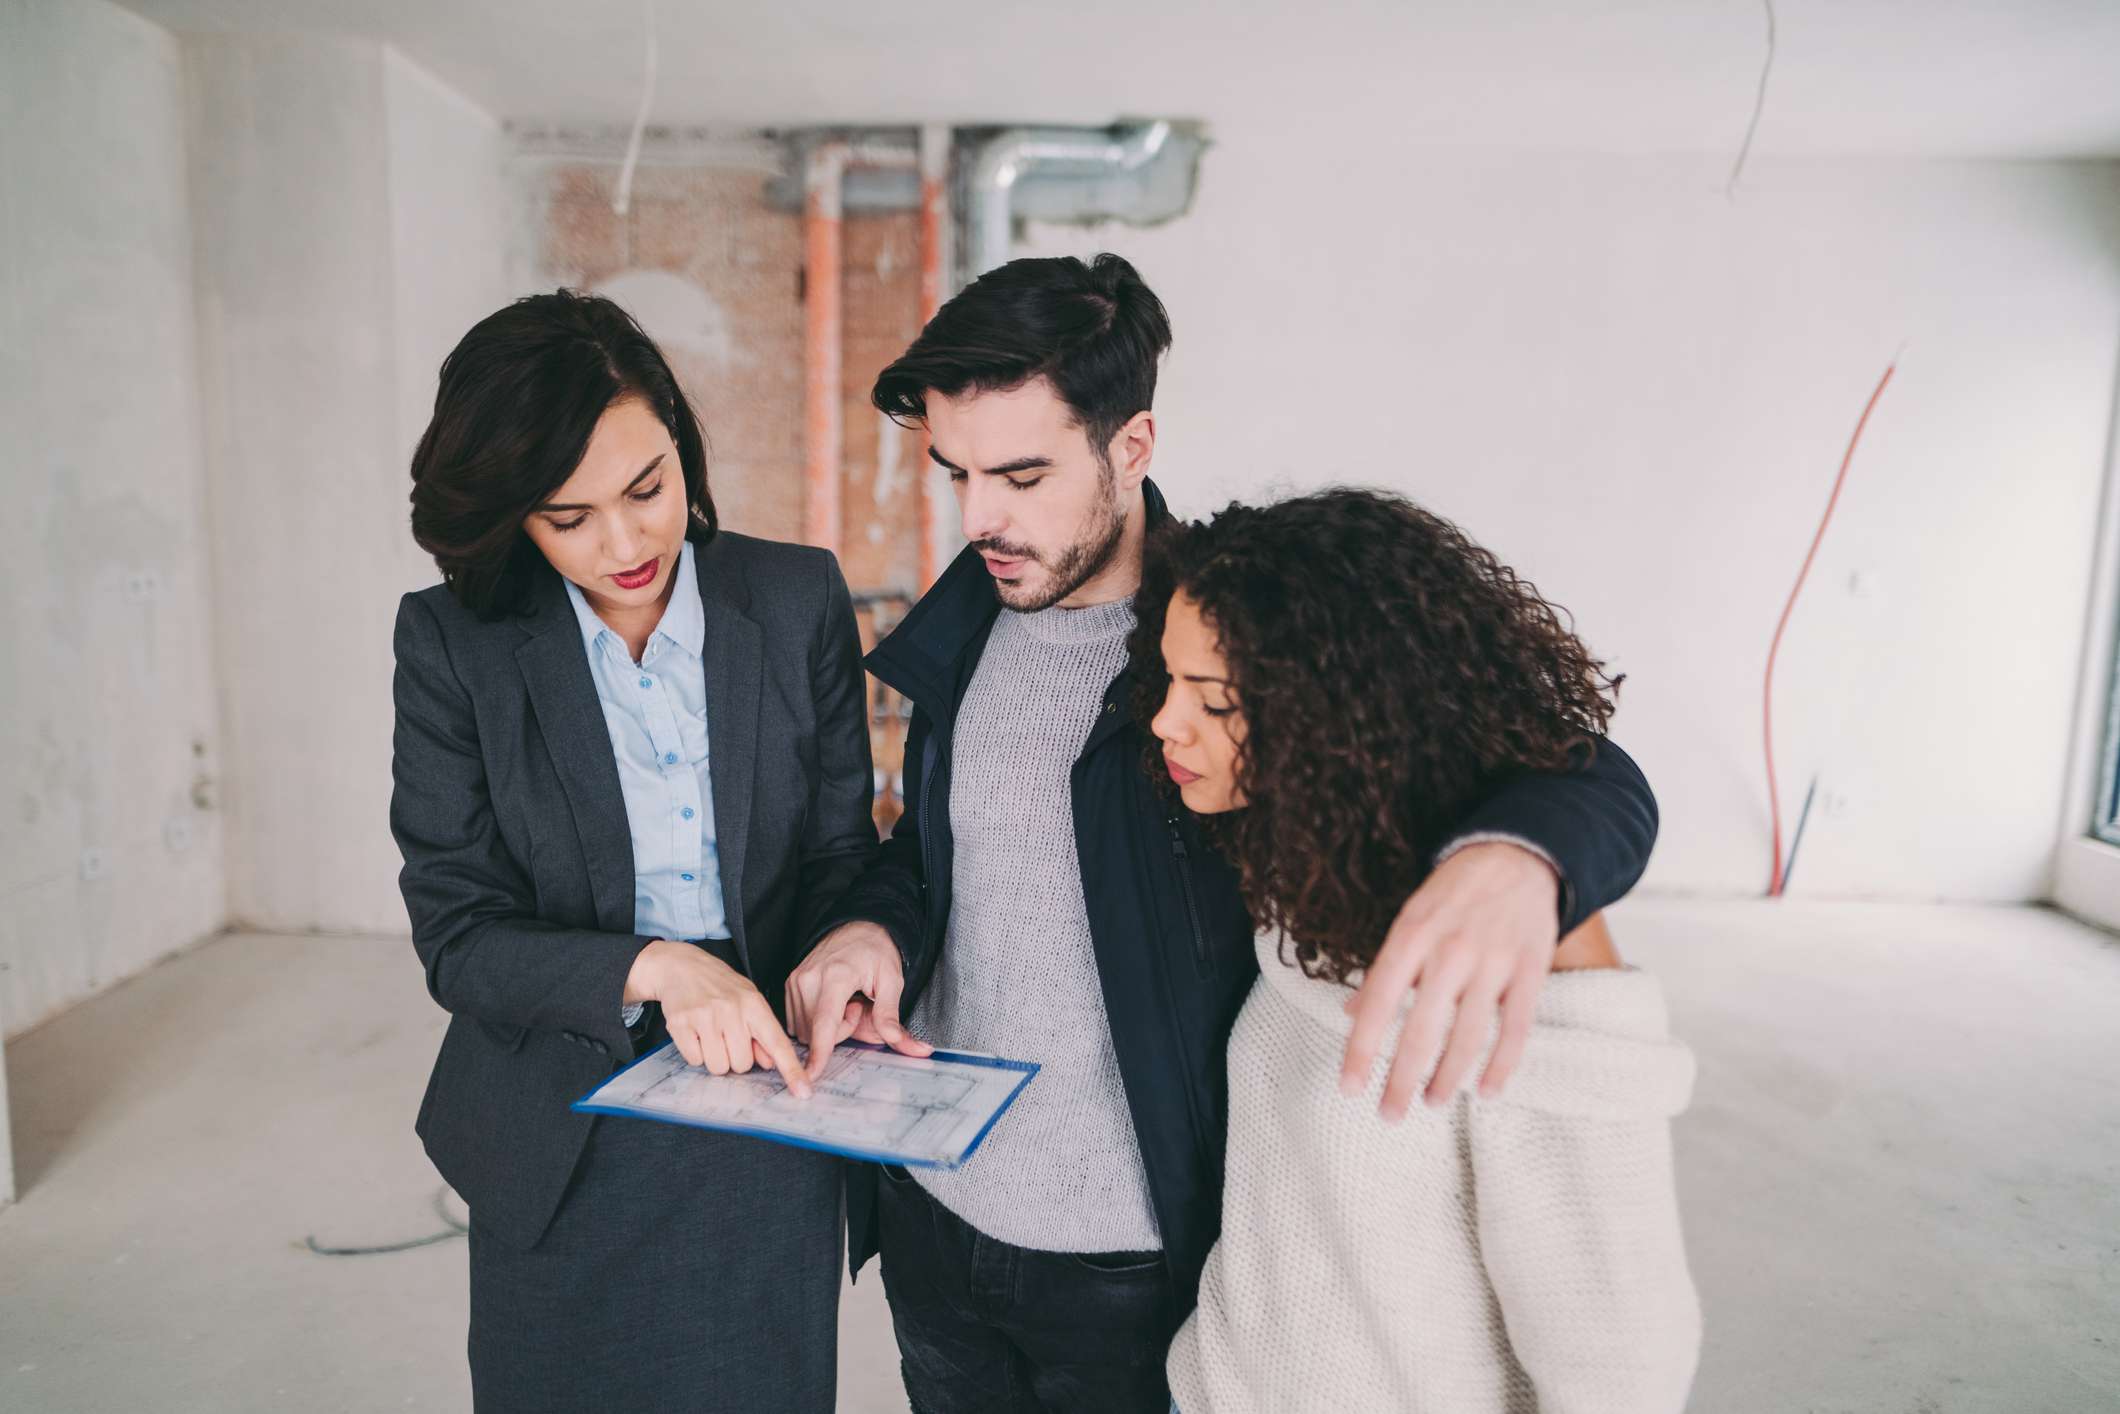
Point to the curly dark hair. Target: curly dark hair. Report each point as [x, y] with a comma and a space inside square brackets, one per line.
[1390, 671]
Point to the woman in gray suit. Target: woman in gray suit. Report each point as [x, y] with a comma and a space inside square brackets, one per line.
[631, 770]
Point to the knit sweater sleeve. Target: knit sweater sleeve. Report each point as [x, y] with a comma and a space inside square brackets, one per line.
[1579, 1232]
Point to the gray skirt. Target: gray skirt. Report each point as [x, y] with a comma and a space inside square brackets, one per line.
[686, 1270]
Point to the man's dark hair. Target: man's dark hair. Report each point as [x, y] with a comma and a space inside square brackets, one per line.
[1092, 329]
[518, 399]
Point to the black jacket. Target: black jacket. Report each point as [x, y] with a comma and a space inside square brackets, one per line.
[1172, 939]
[519, 874]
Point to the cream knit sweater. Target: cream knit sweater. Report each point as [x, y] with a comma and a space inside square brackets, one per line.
[1488, 1257]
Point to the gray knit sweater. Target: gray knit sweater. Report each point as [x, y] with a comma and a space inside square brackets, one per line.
[1061, 1171]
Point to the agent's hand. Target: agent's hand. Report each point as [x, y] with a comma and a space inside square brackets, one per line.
[849, 986]
[1478, 934]
[714, 1013]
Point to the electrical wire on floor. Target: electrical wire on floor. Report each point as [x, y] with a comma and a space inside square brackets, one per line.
[452, 1230]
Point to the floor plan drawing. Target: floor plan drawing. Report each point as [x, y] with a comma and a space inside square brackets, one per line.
[869, 1103]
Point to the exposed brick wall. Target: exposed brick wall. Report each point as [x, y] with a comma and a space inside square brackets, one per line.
[712, 228]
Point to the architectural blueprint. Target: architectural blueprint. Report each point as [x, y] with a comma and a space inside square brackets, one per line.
[928, 1112]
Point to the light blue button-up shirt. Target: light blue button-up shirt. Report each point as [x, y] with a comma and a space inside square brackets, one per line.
[656, 713]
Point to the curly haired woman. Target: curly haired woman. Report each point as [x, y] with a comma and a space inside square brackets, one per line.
[1331, 679]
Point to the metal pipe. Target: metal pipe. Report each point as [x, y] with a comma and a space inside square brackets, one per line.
[823, 429]
[823, 423]
[1007, 158]
[934, 228]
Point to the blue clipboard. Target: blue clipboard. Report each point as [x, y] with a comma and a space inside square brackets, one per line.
[659, 1086]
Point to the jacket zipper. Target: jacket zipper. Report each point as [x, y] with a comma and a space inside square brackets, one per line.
[1185, 886]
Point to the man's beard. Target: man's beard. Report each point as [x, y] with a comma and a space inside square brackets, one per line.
[1089, 556]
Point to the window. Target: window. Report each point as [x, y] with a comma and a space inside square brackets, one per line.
[2105, 802]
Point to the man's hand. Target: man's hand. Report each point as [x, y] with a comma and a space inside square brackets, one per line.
[1478, 933]
[715, 1015]
[849, 985]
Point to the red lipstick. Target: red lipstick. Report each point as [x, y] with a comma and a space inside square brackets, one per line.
[640, 578]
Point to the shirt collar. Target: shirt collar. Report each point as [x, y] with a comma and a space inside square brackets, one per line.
[684, 620]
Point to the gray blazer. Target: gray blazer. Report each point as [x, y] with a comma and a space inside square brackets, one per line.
[518, 872]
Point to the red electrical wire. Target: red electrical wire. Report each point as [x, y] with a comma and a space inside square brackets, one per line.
[1774, 881]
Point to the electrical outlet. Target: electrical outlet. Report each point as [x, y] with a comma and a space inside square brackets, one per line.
[95, 863]
[142, 586]
[1833, 804]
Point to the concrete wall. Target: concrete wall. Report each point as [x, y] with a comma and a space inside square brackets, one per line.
[449, 239]
[1635, 388]
[1632, 386]
[350, 226]
[1638, 391]
[111, 844]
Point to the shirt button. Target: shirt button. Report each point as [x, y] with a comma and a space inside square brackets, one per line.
[686, 877]
[647, 682]
[669, 758]
[686, 812]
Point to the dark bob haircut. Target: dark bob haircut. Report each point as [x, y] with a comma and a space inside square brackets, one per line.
[1390, 672]
[519, 398]
[1093, 330]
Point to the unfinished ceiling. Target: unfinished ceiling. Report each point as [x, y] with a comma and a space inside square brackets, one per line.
[1993, 78]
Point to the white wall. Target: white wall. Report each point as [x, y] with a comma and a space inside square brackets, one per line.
[1634, 388]
[107, 699]
[451, 232]
[350, 225]
[1638, 391]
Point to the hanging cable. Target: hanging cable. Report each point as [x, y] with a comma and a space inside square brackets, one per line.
[1776, 879]
[624, 200]
[1803, 818]
[1759, 106]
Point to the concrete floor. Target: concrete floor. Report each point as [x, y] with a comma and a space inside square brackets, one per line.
[1901, 1174]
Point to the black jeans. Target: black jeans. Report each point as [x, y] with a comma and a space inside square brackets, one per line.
[989, 1328]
